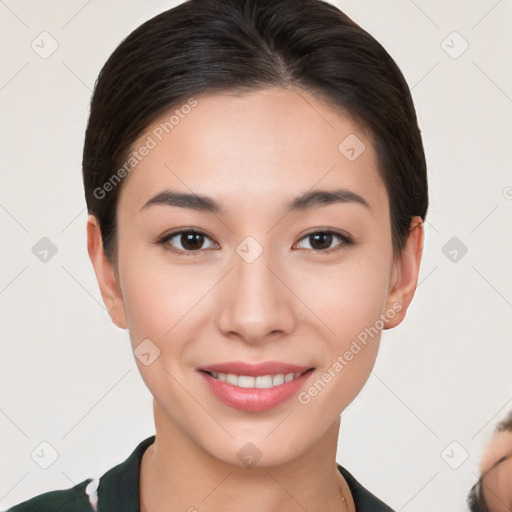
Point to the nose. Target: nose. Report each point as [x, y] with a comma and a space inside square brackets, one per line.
[255, 302]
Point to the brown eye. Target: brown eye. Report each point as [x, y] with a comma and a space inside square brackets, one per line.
[186, 241]
[322, 240]
[191, 241]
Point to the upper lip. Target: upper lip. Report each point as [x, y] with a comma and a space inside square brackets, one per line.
[255, 369]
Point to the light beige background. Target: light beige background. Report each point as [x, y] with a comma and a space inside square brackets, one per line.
[67, 375]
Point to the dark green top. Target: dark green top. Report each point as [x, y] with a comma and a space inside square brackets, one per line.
[118, 491]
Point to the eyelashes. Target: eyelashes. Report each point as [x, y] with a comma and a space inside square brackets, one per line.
[192, 241]
[328, 236]
[193, 237]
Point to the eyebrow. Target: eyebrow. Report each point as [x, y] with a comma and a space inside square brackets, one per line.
[306, 201]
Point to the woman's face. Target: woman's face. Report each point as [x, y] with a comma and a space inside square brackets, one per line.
[250, 282]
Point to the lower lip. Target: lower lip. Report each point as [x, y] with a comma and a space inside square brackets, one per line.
[254, 399]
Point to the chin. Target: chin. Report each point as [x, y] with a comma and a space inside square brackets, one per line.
[254, 451]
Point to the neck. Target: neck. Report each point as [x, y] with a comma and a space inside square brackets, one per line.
[177, 474]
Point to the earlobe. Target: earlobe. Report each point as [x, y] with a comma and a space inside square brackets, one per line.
[404, 278]
[105, 274]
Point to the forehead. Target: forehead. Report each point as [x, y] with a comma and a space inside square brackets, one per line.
[264, 145]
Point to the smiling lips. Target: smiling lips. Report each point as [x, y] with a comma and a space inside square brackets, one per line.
[254, 387]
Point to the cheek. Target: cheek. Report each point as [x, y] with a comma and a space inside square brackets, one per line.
[158, 300]
[347, 353]
[170, 305]
[160, 306]
[350, 300]
[347, 298]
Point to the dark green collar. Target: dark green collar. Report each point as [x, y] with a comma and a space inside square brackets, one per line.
[119, 487]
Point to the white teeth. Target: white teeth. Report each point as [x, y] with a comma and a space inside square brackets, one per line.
[261, 382]
[279, 379]
[232, 379]
[245, 382]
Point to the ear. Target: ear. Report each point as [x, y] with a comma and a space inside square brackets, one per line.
[404, 278]
[105, 274]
